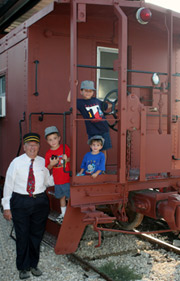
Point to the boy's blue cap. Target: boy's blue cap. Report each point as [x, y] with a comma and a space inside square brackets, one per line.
[96, 137]
[50, 130]
[87, 84]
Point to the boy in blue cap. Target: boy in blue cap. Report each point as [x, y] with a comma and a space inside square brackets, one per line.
[91, 108]
[93, 163]
[54, 161]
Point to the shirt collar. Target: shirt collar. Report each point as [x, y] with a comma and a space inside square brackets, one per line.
[28, 158]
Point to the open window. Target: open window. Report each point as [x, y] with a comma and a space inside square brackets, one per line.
[107, 79]
[2, 96]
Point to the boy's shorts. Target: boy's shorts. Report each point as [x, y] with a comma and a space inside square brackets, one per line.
[107, 141]
[62, 190]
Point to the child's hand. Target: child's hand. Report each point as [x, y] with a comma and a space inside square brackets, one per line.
[94, 175]
[79, 174]
[64, 157]
[54, 162]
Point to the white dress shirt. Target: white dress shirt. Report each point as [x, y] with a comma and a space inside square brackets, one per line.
[17, 176]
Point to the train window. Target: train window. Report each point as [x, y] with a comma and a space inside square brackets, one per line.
[107, 80]
[2, 96]
[2, 85]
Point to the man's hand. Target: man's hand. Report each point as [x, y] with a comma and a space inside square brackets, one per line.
[7, 215]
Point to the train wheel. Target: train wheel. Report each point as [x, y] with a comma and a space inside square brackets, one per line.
[134, 219]
[132, 223]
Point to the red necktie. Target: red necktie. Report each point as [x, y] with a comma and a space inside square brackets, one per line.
[31, 180]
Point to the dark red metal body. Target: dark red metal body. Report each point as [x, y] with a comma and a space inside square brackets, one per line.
[40, 56]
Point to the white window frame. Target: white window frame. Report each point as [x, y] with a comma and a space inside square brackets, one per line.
[1, 88]
[2, 96]
[99, 50]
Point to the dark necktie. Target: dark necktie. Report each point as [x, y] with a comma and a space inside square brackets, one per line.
[31, 180]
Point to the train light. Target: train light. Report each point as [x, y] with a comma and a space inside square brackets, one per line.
[143, 15]
[155, 78]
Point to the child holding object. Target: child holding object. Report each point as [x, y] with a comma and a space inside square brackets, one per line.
[54, 161]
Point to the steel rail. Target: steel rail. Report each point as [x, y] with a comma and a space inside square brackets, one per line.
[86, 265]
[161, 243]
[80, 261]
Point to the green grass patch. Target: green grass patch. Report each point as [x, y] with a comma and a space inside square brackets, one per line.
[120, 273]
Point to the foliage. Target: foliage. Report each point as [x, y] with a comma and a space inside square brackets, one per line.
[120, 273]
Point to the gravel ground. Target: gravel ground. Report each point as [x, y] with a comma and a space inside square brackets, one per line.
[54, 267]
[127, 250]
[141, 256]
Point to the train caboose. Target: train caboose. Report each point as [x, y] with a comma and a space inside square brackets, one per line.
[131, 49]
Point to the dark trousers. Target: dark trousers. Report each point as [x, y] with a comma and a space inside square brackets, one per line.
[29, 218]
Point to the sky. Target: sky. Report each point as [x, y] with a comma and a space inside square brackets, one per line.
[169, 4]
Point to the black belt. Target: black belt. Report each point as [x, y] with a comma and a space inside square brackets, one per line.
[33, 195]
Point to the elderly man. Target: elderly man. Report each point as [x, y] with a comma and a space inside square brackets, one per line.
[25, 201]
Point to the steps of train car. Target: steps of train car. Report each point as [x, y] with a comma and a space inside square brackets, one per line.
[91, 215]
[52, 226]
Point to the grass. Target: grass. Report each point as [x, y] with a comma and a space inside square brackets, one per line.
[120, 273]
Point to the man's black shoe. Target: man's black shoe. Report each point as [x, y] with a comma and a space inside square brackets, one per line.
[36, 271]
[24, 274]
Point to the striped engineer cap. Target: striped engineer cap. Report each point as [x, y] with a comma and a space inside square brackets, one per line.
[31, 137]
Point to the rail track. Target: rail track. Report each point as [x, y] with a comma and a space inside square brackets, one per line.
[86, 255]
[50, 241]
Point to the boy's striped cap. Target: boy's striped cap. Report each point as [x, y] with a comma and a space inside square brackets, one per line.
[31, 137]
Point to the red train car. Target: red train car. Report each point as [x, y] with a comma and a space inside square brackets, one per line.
[131, 50]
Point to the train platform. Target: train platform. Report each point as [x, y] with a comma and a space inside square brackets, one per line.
[54, 267]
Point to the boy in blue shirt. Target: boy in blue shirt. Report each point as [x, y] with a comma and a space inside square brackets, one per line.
[93, 163]
[91, 108]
